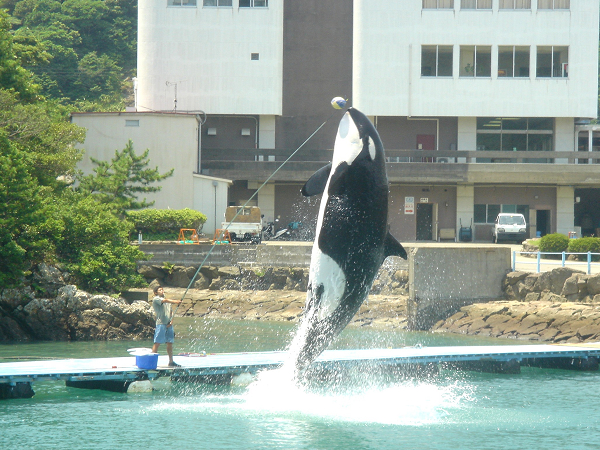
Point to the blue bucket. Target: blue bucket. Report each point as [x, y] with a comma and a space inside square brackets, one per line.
[149, 361]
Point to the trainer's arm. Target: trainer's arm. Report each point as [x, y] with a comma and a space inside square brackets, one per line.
[175, 302]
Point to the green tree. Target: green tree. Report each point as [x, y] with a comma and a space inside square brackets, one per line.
[45, 137]
[12, 75]
[58, 72]
[42, 218]
[94, 245]
[120, 181]
[20, 212]
[96, 76]
[89, 45]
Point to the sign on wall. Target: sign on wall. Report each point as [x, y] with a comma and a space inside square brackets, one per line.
[409, 205]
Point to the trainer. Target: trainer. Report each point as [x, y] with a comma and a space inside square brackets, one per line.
[164, 323]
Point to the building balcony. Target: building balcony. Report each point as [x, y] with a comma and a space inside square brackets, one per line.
[416, 166]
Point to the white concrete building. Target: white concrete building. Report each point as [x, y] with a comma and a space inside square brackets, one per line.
[453, 86]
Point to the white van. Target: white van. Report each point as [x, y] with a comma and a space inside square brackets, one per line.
[509, 227]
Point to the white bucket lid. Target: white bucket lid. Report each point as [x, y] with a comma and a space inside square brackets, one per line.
[139, 351]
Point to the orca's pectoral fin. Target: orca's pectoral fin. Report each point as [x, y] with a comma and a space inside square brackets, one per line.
[394, 248]
[316, 184]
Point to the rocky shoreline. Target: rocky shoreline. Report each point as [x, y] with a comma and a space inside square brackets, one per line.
[383, 311]
[57, 311]
[561, 306]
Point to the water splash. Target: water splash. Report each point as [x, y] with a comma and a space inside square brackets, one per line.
[362, 399]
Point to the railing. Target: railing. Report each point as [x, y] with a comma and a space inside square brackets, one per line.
[408, 156]
[563, 262]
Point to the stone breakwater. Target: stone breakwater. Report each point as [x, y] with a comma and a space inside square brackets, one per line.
[561, 306]
[389, 280]
[381, 311]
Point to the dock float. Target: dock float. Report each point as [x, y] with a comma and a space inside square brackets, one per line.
[117, 374]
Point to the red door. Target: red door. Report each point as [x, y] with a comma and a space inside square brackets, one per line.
[426, 142]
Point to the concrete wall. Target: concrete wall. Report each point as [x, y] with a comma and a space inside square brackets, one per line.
[228, 255]
[404, 226]
[204, 54]
[444, 279]
[210, 198]
[565, 209]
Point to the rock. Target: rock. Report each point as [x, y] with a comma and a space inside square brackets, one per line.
[77, 315]
[513, 278]
[48, 279]
[181, 276]
[593, 284]
[570, 286]
[151, 272]
[201, 282]
[559, 276]
[532, 297]
[209, 272]
[229, 272]
[11, 299]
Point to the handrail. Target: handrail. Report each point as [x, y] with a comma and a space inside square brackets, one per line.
[409, 155]
[564, 261]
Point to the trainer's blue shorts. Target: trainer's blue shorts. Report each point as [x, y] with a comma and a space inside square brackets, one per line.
[164, 334]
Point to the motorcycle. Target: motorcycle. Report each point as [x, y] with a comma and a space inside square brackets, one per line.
[270, 234]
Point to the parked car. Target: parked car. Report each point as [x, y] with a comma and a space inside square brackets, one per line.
[509, 227]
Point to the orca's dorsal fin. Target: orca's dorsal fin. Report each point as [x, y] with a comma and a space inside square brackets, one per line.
[317, 182]
[392, 247]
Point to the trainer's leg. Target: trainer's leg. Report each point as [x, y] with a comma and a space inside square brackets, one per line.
[170, 351]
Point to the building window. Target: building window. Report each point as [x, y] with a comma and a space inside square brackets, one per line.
[515, 4]
[515, 134]
[132, 123]
[513, 61]
[552, 62]
[254, 3]
[476, 4]
[218, 3]
[475, 61]
[436, 61]
[483, 213]
[181, 2]
[554, 4]
[438, 4]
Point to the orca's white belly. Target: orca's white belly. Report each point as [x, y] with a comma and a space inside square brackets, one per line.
[326, 272]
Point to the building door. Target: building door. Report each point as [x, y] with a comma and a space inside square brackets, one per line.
[543, 223]
[426, 142]
[424, 222]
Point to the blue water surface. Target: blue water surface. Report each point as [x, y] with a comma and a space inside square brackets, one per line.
[536, 409]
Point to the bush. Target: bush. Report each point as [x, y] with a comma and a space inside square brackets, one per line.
[94, 246]
[554, 243]
[165, 221]
[584, 245]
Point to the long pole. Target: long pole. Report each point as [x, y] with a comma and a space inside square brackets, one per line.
[248, 201]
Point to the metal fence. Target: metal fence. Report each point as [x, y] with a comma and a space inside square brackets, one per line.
[563, 262]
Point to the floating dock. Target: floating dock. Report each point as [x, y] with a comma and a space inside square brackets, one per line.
[116, 374]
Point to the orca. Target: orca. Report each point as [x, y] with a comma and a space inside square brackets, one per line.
[352, 236]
